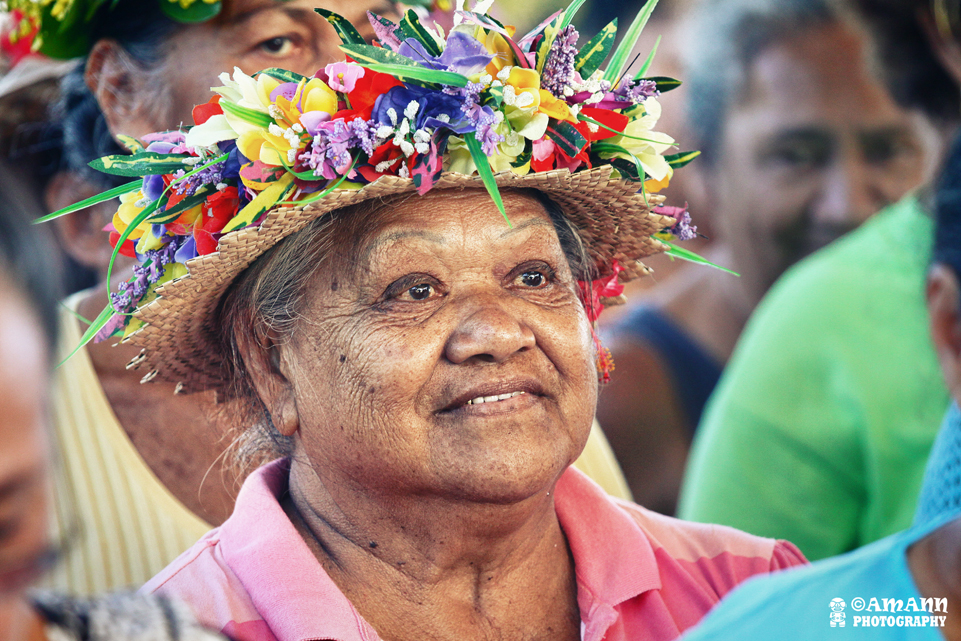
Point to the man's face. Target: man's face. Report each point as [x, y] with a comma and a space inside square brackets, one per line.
[812, 148]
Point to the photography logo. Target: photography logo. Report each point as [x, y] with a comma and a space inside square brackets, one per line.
[837, 613]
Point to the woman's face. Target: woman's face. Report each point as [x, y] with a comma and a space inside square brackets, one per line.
[256, 35]
[23, 457]
[442, 307]
[813, 147]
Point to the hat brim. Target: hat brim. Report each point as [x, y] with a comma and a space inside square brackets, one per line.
[179, 336]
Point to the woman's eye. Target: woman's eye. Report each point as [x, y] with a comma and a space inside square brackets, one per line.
[279, 46]
[533, 279]
[422, 291]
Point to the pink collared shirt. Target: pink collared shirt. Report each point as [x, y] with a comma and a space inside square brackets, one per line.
[640, 575]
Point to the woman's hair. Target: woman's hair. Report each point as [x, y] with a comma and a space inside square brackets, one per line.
[27, 257]
[910, 67]
[270, 296]
[142, 31]
[947, 228]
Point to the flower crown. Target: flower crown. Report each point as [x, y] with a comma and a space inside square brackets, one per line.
[415, 104]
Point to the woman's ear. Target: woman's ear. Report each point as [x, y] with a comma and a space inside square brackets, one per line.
[121, 88]
[944, 310]
[266, 366]
[80, 234]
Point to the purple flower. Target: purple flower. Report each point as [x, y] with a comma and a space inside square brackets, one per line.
[147, 273]
[559, 68]
[683, 228]
[433, 109]
[463, 54]
[487, 119]
[329, 153]
[637, 91]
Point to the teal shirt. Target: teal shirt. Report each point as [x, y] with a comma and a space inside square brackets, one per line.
[820, 427]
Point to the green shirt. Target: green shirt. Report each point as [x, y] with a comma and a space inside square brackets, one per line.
[819, 430]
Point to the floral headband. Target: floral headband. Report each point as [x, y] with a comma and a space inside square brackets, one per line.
[415, 104]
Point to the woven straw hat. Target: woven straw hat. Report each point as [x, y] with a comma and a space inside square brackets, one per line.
[180, 338]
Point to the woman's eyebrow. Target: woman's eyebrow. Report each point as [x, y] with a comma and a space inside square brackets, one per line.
[530, 222]
[400, 235]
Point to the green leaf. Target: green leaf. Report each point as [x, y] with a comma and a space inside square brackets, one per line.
[283, 75]
[569, 13]
[420, 74]
[525, 156]
[199, 11]
[265, 201]
[484, 171]
[102, 319]
[348, 34]
[146, 163]
[688, 255]
[626, 46]
[322, 194]
[665, 84]
[679, 160]
[410, 27]
[593, 54]
[365, 54]
[132, 145]
[611, 148]
[650, 60]
[566, 137]
[93, 200]
[173, 213]
[252, 116]
[626, 168]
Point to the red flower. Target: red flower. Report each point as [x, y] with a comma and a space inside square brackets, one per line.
[127, 249]
[203, 113]
[217, 211]
[592, 293]
[606, 117]
[366, 91]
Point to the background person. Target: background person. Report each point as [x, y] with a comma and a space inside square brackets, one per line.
[801, 142]
[924, 561]
[821, 426]
[28, 331]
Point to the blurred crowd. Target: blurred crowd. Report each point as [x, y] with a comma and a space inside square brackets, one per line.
[809, 397]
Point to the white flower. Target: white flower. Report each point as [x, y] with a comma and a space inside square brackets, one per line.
[215, 130]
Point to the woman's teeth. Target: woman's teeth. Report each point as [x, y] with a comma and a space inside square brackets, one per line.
[491, 399]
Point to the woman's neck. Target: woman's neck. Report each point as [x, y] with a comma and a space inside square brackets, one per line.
[417, 567]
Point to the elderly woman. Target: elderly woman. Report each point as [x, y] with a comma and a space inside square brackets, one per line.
[145, 70]
[424, 363]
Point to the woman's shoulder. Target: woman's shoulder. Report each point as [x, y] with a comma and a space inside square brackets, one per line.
[201, 578]
[689, 540]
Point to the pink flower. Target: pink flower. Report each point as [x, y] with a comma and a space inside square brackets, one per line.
[342, 76]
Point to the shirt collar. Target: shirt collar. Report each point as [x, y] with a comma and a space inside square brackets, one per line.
[286, 583]
[284, 580]
[613, 558]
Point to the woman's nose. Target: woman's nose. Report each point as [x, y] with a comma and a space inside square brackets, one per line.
[490, 330]
[849, 196]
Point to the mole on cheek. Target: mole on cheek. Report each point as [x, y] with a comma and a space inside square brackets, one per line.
[334, 285]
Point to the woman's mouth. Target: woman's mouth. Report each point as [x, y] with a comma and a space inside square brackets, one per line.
[493, 399]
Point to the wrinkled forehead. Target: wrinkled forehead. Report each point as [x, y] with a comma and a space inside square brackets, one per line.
[443, 220]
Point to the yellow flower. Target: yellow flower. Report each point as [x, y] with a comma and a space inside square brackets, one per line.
[555, 108]
[126, 214]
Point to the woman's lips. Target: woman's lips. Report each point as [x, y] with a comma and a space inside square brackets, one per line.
[499, 394]
[493, 399]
